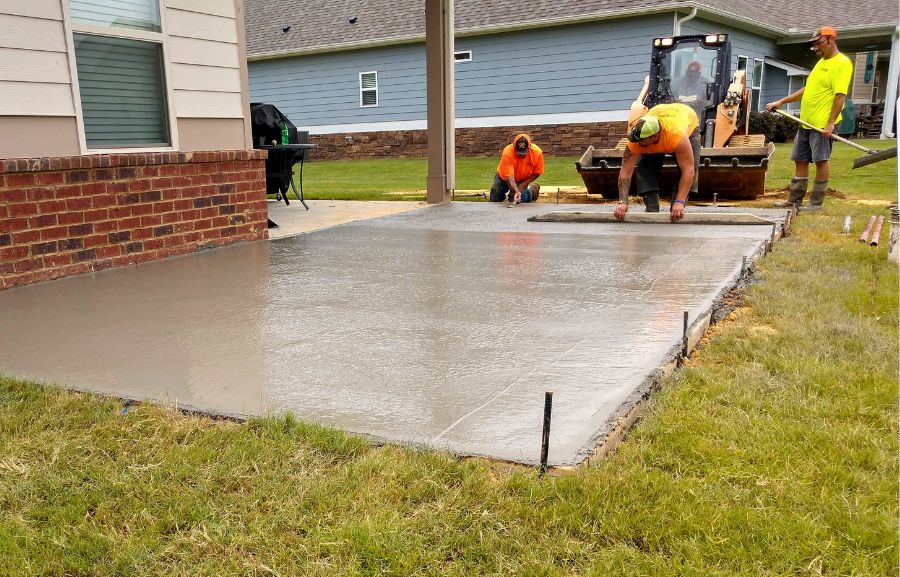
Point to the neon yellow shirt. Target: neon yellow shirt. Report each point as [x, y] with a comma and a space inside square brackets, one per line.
[828, 78]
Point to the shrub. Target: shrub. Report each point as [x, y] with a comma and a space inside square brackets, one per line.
[777, 128]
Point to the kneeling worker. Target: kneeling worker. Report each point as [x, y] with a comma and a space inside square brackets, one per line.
[520, 165]
[665, 129]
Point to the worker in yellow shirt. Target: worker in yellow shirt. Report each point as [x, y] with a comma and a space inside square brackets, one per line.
[665, 129]
[821, 102]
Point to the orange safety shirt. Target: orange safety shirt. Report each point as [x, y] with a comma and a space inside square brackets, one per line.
[675, 122]
[521, 167]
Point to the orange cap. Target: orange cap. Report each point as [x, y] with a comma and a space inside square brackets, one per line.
[823, 32]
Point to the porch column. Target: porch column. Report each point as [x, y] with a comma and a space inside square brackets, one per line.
[439, 79]
[893, 87]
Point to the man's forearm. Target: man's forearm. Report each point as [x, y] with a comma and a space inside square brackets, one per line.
[511, 181]
[624, 187]
[793, 97]
[836, 107]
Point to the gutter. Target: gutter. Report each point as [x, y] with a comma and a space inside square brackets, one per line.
[676, 28]
[713, 14]
[852, 32]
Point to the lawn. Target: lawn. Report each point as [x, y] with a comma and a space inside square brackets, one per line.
[383, 179]
[774, 451]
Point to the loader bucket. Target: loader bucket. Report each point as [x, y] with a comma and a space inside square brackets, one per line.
[736, 172]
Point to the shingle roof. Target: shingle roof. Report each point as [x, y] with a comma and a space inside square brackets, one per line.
[320, 25]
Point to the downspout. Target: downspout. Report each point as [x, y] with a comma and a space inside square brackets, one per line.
[676, 28]
[891, 97]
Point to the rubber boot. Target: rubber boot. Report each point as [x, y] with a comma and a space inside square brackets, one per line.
[816, 197]
[651, 202]
[795, 194]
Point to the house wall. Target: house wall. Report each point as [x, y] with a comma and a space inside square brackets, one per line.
[205, 63]
[577, 73]
[776, 84]
[71, 215]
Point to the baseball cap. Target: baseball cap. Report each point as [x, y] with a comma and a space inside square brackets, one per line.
[693, 64]
[823, 32]
[645, 127]
[522, 146]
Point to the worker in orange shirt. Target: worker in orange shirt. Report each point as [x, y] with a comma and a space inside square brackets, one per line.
[520, 165]
[665, 129]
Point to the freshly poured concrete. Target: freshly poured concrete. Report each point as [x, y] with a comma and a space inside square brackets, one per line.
[442, 326]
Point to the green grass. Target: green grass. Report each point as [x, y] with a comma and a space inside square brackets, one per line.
[773, 452]
[383, 179]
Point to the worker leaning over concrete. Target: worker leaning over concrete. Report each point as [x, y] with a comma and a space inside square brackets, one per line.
[665, 129]
[520, 165]
[821, 102]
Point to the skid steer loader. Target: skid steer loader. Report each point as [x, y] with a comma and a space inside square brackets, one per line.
[733, 163]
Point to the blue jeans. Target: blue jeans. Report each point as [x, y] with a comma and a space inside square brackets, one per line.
[500, 191]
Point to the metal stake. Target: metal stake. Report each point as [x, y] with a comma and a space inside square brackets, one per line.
[684, 337]
[545, 437]
[743, 265]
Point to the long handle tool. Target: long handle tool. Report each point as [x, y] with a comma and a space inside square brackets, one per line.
[871, 156]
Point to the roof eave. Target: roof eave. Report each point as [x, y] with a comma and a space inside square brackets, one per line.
[845, 33]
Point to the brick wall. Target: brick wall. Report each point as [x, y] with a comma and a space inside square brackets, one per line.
[71, 215]
[554, 140]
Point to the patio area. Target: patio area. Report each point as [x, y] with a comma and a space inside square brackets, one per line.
[436, 326]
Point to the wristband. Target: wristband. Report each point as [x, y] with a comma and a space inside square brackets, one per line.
[678, 201]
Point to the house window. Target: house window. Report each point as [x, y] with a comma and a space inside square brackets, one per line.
[463, 56]
[757, 83]
[121, 79]
[368, 89]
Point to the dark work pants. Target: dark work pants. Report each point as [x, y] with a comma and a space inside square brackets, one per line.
[648, 170]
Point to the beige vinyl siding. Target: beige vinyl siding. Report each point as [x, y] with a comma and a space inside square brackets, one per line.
[34, 66]
[205, 59]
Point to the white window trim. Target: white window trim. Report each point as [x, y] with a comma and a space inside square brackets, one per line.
[466, 56]
[361, 90]
[71, 28]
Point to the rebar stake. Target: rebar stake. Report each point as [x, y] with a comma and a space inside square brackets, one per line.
[684, 337]
[545, 437]
[743, 265]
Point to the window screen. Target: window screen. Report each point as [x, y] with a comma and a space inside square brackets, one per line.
[368, 89]
[137, 14]
[122, 97]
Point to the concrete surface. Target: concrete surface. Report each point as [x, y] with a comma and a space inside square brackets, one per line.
[441, 326]
[294, 219]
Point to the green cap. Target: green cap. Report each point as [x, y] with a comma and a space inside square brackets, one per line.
[645, 127]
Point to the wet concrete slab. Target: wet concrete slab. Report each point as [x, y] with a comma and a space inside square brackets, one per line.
[441, 326]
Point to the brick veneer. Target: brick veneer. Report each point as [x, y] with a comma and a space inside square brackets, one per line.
[554, 140]
[71, 215]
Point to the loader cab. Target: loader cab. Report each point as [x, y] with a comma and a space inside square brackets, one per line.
[693, 70]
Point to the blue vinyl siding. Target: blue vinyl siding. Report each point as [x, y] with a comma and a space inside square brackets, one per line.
[775, 85]
[577, 68]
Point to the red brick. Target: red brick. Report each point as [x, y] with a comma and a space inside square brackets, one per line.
[192, 237]
[171, 194]
[28, 265]
[190, 214]
[120, 212]
[161, 207]
[20, 180]
[81, 229]
[128, 223]
[106, 226]
[142, 233]
[109, 251]
[209, 212]
[42, 221]
[117, 187]
[153, 244]
[184, 227]
[142, 209]
[23, 209]
[13, 253]
[96, 240]
[78, 176]
[151, 220]
[173, 240]
[55, 260]
[170, 170]
[126, 173]
[70, 217]
[26, 236]
[83, 203]
[69, 191]
[49, 178]
[150, 171]
[161, 183]
[181, 182]
[104, 174]
[95, 188]
[14, 224]
[220, 221]
[171, 217]
[36, 194]
[202, 224]
[96, 215]
[139, 185]
[183, 204]
[54, 233]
